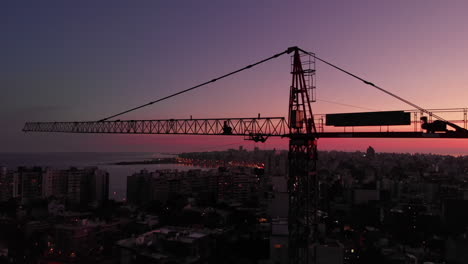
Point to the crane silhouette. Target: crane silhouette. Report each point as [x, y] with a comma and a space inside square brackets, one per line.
[301, 127]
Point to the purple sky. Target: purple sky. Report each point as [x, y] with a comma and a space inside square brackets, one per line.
[85, 60]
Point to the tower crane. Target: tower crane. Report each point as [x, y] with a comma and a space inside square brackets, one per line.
[301, 127]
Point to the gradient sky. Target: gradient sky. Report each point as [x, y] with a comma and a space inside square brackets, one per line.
[85, 60]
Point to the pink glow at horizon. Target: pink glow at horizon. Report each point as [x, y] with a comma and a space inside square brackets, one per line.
[210, 143]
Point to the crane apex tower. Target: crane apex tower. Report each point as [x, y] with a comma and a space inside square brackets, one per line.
[302, 178]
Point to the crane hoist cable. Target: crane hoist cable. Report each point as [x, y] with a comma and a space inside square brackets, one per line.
[289, 50]
[377, 87]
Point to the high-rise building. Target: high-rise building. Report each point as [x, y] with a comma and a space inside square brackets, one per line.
[28, 183]
[88, 185]
[76, 186]
[139, 188]
[244, 184]
[238, 185]
[55, 183]
[100, 186]
[276, 163]
[6, 184]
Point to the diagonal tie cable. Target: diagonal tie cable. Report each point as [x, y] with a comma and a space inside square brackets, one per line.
[377, 87]
[289, 50]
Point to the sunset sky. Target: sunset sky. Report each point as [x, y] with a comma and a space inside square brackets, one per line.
[85, 60]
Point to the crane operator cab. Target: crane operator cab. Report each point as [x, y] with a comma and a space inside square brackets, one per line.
[436, 126]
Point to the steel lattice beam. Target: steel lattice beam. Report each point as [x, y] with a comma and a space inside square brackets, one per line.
[248, 127]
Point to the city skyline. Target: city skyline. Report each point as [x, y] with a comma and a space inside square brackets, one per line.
[374, 208]
[85, 61]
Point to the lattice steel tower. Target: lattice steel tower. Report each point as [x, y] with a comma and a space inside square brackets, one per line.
[302, 179]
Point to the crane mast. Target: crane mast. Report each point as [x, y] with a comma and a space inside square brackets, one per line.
[302, 178]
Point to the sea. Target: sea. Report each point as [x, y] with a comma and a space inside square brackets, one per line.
[105, 161]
